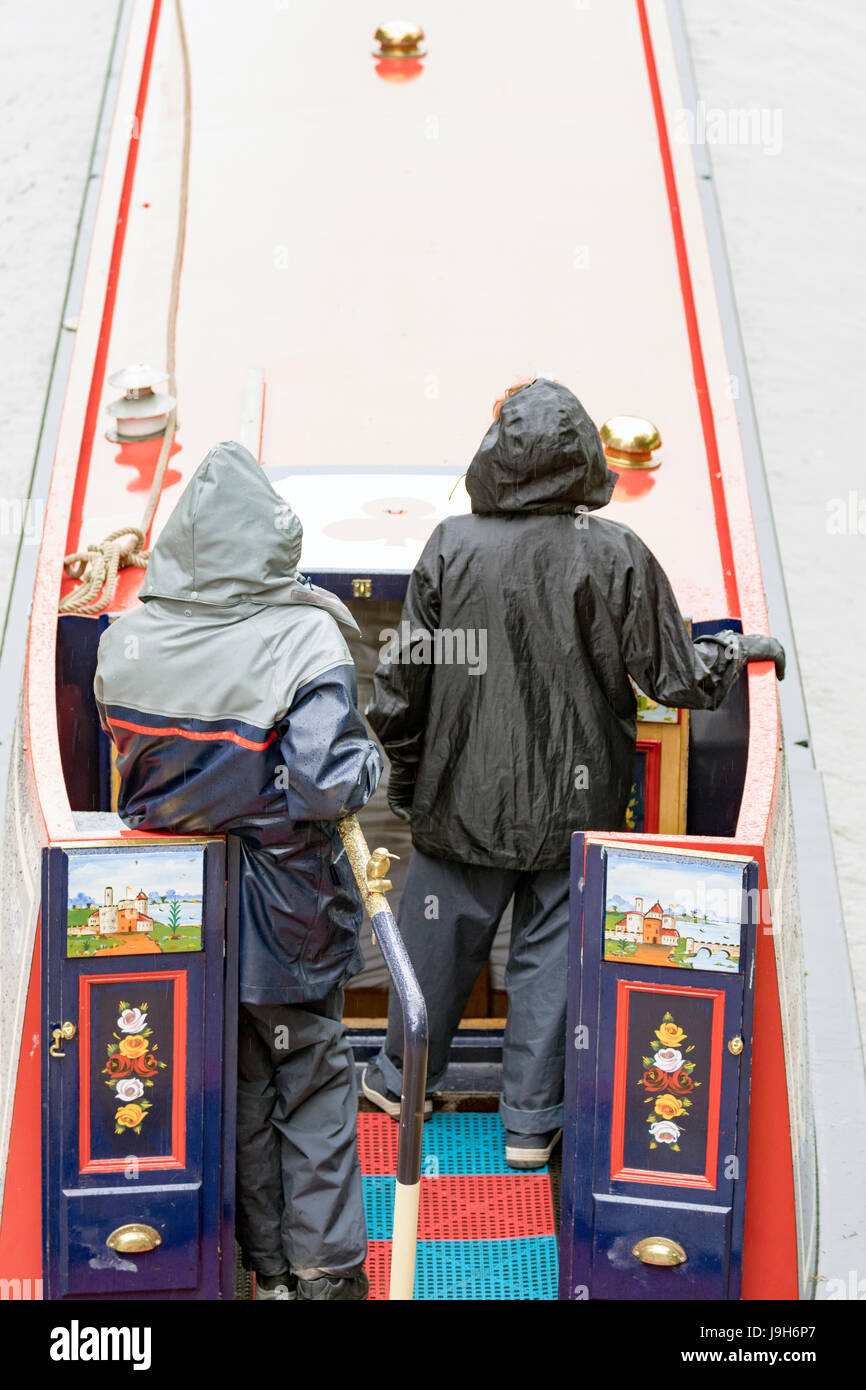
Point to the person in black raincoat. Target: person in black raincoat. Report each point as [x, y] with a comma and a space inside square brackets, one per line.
[230, 695]
[516, 726]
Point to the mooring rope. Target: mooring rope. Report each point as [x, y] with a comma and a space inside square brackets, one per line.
[97, 567]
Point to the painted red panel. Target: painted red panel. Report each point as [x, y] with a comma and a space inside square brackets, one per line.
[618, 1172]
[177, 1157]
[653, 750]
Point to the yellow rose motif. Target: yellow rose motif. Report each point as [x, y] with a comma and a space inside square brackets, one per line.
[133, 1046]
[668, 1107]
[670, 1035]
[129, 1116]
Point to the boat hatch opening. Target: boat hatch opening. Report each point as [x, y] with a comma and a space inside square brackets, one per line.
[712, 778]
[717, 741]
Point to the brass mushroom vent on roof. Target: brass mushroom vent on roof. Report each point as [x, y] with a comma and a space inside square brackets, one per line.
[399, 38]
[630, 442]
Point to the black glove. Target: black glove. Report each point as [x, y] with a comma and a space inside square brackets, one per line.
[755, 647]
[401, 790]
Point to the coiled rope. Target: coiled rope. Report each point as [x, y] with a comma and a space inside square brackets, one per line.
[97, 567]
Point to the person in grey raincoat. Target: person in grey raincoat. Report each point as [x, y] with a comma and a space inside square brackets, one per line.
[499, 755]
[230, 695]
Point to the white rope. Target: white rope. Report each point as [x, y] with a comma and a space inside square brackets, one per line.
[98, 566]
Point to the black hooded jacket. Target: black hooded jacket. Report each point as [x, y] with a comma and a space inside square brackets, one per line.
[527, 733]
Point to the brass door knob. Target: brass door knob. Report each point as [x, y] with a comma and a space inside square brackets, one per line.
[66, 1030]
[134, 1239]
[659, 1250]
[736, 1046]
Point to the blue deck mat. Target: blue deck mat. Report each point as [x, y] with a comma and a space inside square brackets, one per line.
[465, 1144]
[523, 1270]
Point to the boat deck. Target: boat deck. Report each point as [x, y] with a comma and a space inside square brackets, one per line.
[316, 336]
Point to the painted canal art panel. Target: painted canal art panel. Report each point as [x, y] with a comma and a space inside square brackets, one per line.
[675, 910]
[135, 903]
[667, 1078]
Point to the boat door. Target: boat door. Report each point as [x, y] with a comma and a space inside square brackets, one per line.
[138, 1129]
[660, 987]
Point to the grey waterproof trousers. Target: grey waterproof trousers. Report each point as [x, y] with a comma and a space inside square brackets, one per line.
[448, 917]
[299, 1200]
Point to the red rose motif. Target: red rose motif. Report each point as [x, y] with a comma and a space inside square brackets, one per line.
[654, 1079]
[680, 1083]
[118, 1065]
[146, 1065]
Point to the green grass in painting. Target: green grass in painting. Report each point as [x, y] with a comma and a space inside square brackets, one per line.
[187, 937]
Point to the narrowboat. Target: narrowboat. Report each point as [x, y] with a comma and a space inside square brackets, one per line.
[337, 238]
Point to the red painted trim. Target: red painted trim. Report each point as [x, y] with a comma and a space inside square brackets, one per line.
[196, 737]
[21, 1222]
[177, 1157]
[770, 1260]
[97, 380]
[618, 1171]
[717, 487]
[652, 783]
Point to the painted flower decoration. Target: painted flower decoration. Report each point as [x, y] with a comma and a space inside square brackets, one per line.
[663, 1132]
[147, 1065]
[131, 1056]
[118, 1065]
[681, 1083]
[132, 1021]
[130, 1117]
[668, 1106]
[668, 1034]
[669, 1059]
[129, 1089]
[668, 1079]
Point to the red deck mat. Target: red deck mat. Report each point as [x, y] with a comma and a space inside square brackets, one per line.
[485, 1207]
[377, 1143]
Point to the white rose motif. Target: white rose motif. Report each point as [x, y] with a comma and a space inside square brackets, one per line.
[129, 1089]
[669, 1059]
[131, 1021]
[664, 1132]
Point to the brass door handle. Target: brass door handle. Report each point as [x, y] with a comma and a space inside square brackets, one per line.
[659, 1250]
[66, 1030]
[134, 1239]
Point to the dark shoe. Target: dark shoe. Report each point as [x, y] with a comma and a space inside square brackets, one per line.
[530, 1150]
[275, 1287]
[386, 1100]
[333, 1288]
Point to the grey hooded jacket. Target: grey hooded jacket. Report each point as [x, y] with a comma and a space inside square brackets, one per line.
[230, 695]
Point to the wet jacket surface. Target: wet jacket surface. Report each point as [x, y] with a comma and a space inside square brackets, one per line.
[230, 695]
[502, 755]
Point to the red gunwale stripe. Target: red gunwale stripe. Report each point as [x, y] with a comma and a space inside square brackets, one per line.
[232, 737]
[717, 487]
[76, 510]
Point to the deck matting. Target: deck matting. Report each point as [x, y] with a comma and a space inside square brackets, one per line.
[486, 1231]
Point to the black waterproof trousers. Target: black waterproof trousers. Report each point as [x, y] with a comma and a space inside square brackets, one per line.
[448, 917]
[299, 1200]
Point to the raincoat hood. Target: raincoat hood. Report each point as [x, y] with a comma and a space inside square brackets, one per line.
[231, 540]
[543, 455]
